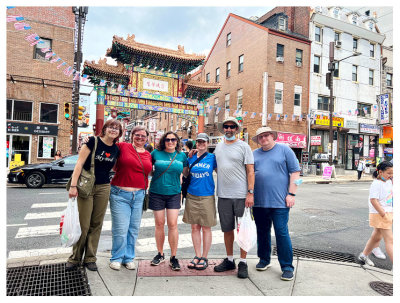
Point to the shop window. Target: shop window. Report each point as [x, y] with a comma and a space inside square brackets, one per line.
[48, 113]
[364, 110]
[323, 103]
[217, 74]
[228, 69]
[22, 111]
[47, 146]
[317, 64]
[241, 60]
[37, 50]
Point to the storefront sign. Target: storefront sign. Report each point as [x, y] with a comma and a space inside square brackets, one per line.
[315, 140]
[351, 124]
[154, 84]
[369, 128]
[293, 140]
[372, 153]
[388, 150]
[304, 157]
[34, 129]
[387, 132]
[323, 120]
[384, 108]
[385, 140]
[327, 172]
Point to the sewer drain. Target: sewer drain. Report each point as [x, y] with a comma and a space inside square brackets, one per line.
[321, 255]
[383, 288]
[47, 280]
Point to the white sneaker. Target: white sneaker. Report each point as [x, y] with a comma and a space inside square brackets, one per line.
[130, 265]
[115, 265]
[377, 252]
[365, 260]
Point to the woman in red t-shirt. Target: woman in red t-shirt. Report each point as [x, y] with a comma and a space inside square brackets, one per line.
[128, 188]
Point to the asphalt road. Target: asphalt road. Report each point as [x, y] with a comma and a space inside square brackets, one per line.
[326, 217]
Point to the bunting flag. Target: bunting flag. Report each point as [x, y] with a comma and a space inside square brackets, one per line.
[21, 26]
[218, 110]
[253, 115]
[119, 88]
[301, 117]
[76, 77]
[293, 117]
[356, 112]
[228, 110]
[375, 107]
[308, 117]
[269, 116]
[349, 112]
[14, 18]
[62, 64]
[236, 113]
[36, 42]
[278, 116]
[102, 82]
[32, 38]
[84, 78]
[67, 70]
[261, 114]
[132, 90]
[55, 60]
[285, 117]
[9, 7]
[365, 110]
[45, 50]
[245, 114]
[49, 55]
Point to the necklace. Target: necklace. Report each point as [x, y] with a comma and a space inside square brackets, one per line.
[170, 156]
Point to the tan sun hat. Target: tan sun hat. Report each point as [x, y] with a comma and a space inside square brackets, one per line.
[229, 119]
[264, 129]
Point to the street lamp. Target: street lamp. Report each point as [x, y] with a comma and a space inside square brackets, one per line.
[331, 68]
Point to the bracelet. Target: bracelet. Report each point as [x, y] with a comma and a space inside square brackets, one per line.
[291, 194]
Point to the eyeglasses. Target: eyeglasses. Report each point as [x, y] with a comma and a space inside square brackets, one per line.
[170, 139]
[230, 126]
[140, 136]
[113, 128]
[264, 135]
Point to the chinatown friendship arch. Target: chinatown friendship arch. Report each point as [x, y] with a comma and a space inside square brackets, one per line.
[149, 78]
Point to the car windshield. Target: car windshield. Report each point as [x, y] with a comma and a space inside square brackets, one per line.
[68, 160]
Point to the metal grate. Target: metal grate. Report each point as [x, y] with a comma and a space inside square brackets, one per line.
[321, 255]
[47, 280]
[383, 288]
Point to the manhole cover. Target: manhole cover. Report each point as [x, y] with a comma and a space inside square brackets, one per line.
[318, 211]
[382, 288]
[47, 280]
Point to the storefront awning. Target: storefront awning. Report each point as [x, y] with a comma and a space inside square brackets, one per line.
[326, 127]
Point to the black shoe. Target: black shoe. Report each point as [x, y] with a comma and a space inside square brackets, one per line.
[225, 265]
[91, 266]
[157, 260]
[242, 270]
[70, 266]
[174, 263]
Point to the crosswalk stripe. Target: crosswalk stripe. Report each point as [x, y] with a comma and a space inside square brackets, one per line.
[39, 252]
[55, 204]
[48, 215]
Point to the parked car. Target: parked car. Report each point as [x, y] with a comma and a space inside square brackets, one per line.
[36, 175]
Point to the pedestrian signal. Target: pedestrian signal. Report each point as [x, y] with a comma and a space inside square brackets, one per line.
[67, 110]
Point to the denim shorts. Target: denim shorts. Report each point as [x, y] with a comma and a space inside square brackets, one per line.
[160, 202]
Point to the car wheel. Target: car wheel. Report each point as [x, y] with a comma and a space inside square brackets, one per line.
[34, 180]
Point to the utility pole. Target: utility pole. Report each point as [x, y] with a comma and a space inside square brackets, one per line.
[80, 15]
[331, 68]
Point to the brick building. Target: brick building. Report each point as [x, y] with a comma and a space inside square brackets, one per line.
[36, 89]
[262, 67]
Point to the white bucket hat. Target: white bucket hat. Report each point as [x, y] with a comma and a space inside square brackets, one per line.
[229, 119]
[264, 129]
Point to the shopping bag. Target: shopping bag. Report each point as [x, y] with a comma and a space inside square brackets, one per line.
[70, 228]
[247, 232]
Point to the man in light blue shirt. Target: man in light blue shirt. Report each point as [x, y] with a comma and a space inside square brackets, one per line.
[276, 168]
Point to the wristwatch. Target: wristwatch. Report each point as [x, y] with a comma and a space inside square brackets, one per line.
[250, 191]
[292, 194]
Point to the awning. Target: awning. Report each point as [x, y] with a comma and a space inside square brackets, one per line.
[326, 127]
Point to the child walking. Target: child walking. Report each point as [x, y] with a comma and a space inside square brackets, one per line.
[380, 212]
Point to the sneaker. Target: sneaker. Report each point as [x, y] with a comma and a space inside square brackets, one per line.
[287, 275]
[378, 253]
[174, 263]
[262, 266]
[158, 259]
[115, 265]
[70, 266]
[91, 266]
[365, 260]
[242, 270]
[130, 265]
[225, 265]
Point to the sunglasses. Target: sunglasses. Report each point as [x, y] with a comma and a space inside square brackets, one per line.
[230, 126]
[170, 139]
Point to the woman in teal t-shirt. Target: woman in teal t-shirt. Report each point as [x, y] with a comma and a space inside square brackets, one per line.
[165, 193]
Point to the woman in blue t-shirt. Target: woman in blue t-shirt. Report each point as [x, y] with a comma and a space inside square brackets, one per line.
[165, 194]
[200, 209]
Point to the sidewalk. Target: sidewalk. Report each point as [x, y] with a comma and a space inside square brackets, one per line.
[312, 278]
[351, 176]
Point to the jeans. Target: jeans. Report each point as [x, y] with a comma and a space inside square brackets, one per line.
[264, 217]
[126, 213]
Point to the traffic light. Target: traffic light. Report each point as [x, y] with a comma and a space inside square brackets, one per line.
[80, 112]
[67, 110]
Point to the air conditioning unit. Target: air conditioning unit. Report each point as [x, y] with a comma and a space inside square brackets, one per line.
[298, 64]
[338, 44]
[279, 59]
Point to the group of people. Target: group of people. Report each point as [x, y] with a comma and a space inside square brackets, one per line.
[263, 179]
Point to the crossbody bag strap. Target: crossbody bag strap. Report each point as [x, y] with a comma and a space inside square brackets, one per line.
[144, 174]
[198, 160]
[167, 167]
[93, 154]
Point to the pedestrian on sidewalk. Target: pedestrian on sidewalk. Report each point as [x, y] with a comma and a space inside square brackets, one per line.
[276, 170]
[93, 208]
[128, 189]
[235, 185]
[200, 210]
[165, 194]
[360, 167]
[380, 212]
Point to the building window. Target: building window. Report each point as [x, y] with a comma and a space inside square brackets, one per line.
[240, 98]
[364, 110]
[354, 19]
[208, 77]
[282, 24]
[299, 56]
[217, 75]
[297, 99]
[228, 39]
[337, 36]
[228, 69]
[279, 50]
[278, 96]
[317, 64]
[336, 12]
[323, 103]
[216, 101]
[47, 147]
[372, 50]
[48, 113]
[354, 73]
[19, 110]
[371, 77]
[355, 44]
[241, 59]
[227, 97]
[206, 120]
[37, 50]
[389, 79]
[336, 71]
[318, 34]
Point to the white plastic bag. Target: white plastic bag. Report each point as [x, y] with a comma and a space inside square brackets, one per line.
[247, 231]
[70, 228]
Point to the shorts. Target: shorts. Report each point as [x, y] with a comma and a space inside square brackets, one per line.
[376, 221]
[160, 202]
[200, 210]
[229, 210]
